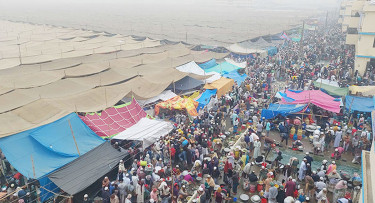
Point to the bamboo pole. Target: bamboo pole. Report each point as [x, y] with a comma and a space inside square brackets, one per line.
[32, 164]
[170, 162]
[74, 138]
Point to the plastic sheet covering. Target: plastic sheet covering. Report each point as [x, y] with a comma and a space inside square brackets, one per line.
[48, 147]
[281, 109]
[146, 130]
[178, 103]
[85, 170]
[115, 119]
[362, 104]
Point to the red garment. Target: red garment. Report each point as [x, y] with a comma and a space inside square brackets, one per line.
[295, 195]
[227, 166]
[263, 200]
[173, 151]
[17, 176]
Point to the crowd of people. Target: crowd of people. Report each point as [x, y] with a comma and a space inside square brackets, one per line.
[227, 148]
[230, 149]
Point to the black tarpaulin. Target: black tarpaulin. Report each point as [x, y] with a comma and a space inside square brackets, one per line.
[85, 170]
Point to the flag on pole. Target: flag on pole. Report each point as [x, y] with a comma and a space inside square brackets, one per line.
[285, 36]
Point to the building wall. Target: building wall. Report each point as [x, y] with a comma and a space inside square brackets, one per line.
[360, 64]
[351, 39]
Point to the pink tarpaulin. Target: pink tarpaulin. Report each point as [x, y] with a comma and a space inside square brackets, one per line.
[115, 119]
[315, 97]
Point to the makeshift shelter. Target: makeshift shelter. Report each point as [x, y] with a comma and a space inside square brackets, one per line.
[282, 109]
[327, 82]
[239, 79]
[332, 90]
[222, 67]
[271, 51]
[315, 97]
[115, 119]
[178, 103]
[209, 64]
[192, 67]
[85, 170]
[364, 90]
[205, 98]
[146, 130]
[239, 64]
[167, 94]
[39, 151]
[187, 83]
[362, 104]
[223, 85]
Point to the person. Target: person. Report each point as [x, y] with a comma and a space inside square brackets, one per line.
[218, 196]
[114, 198]
[211, 183]
[290, 187]
[320, 185]
[338, 152]
[338, 138]
[309, 158]
[106, 195]
[86, 199]
[235, 183]
[267, 183]
[280, 195]
[257, 146]
[302, 170]
[128, 199]
[340, 190]
[202, 195]
[268, 128]
[331, 167]
[322, 195]
[272, 193]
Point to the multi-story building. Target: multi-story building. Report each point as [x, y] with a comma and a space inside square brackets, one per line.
[358, 21]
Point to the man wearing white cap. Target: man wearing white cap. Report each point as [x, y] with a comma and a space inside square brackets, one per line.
[320, 185]
[128, 199]
[121, 166]
[338, 137]
[302, 170]
[86, 199]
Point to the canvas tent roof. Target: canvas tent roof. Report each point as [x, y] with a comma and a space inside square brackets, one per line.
[115, 119]
[365, 90]
[165, 95]
[146, 130]
[223, 85]
[85, 170]
[50, 146]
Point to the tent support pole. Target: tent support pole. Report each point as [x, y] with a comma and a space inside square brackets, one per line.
[170, 162]
[74, 138]
[32, 163]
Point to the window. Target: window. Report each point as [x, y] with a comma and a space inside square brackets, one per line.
[352, 30]
[373, 45]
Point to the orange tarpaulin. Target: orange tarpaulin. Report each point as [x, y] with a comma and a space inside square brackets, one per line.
[178, 103]
[223, 85]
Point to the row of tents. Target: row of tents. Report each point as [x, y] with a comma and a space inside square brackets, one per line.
[328, 96]
[71, 153]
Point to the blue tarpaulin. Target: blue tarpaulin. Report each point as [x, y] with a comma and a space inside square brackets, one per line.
[209, 64]
[205, 98]
[48, 147]
[363, 104]
[271, 51]
[239, 79]
[281, 109]
[222, 68]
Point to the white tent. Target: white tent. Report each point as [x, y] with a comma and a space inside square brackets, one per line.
[146, 130]
[328, 82]
[192, 67]
[231, 61]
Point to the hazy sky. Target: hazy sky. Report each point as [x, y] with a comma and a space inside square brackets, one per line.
[213, 22]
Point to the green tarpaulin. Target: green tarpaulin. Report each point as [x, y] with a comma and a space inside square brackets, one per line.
[332, 90]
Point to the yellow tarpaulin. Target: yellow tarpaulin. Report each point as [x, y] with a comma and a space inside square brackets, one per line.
[223, 85]
[178, 103]
[365, 90]
[194, 95]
